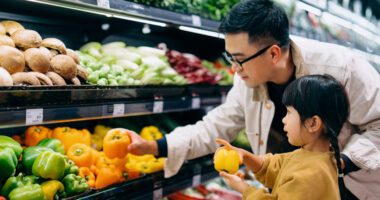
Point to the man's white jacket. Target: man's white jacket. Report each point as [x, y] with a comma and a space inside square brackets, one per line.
[252, 109]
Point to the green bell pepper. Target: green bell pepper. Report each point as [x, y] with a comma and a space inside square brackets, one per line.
[27, 192]
[6, 141]
[71, 168]
[54, 144]
[30, 154]
[74, 184]
[49, 165]
[53, 189]
[17, 181]
[8, 163]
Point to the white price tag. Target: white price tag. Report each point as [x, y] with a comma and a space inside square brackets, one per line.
[196, 20]
[118, 109]
[157, 194]
[196, 103]
[158, 106]
[196, 180]
[34, 116]
[104, 3]
[223, 98]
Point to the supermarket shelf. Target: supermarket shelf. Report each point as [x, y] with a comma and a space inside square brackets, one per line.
[65, 104]
[157, 14]
[146, 187]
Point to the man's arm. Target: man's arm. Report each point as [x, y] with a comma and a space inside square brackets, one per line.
[363, 89]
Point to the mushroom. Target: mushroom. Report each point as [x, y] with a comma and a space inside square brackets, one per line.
[64, 65]
[73, 55]
[2, 29]
[55, 78]
[25, 39]
[12, 59]
[5, 40]
[75, 81]
[53, 52]
[24, 78]
[82, 72]
[5, 78]
[11, 26]
[44, 80]
[37, 60]
[54, 43]
[46, 52]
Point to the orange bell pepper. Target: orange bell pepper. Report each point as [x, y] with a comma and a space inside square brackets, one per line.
[81, 154]
[88, 175]
[34, 134]
[107, 176]
[18, 138]
[115, 144]
[70, 136]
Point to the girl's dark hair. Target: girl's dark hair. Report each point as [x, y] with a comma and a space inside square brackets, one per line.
[324, 96]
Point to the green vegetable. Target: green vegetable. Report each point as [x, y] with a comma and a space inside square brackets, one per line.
[27, 192]
[52, 143]
[49, 165]
[17, 181]
[70, 167]
[8, 163]
[74, 184]
[6, 141]
[29, 156]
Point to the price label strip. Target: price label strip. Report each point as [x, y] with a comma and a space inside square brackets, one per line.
[158, 191]
[197, 180]
[196, 102]
[196, 20]
[34, 116]
[118, 109]
[158, 105]
[103, 3]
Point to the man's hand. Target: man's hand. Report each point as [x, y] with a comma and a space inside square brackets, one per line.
[236, 182]
[140, 146]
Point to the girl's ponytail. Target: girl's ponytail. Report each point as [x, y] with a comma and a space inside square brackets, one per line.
[334, 143]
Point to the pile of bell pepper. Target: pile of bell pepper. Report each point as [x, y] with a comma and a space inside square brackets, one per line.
[104, 168]
[44, 171]
[64, 161]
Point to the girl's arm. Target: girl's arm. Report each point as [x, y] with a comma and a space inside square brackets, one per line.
[252, 161]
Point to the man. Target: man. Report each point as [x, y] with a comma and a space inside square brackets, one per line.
[265, 60]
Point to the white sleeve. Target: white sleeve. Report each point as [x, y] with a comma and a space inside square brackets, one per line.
[192, 141]
[363, 89]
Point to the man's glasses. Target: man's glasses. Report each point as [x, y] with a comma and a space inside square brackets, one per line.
[232, 60]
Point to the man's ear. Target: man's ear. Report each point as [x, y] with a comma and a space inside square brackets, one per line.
[314, 124]
[275, 53]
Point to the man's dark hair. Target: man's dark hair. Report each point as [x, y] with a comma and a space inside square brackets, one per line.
[263, 21]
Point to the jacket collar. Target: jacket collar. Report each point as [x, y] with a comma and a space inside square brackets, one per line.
[260, 92]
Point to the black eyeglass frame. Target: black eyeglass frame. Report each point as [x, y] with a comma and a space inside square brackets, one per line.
[231, 59]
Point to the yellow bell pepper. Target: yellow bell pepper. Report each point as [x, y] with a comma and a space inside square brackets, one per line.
[52, 188]
[101, 130]
[151, 133]
[70, 136]
[226, 160]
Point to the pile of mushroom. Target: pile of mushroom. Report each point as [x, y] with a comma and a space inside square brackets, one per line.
[27, 59]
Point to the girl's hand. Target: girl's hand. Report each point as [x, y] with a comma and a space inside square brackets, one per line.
[228, 146]
[236, 181]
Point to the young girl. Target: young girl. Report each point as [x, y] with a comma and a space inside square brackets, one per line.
[317, 107]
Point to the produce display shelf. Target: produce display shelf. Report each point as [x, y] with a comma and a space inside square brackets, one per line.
[22, 106]
[154, 186]
[156, 14]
